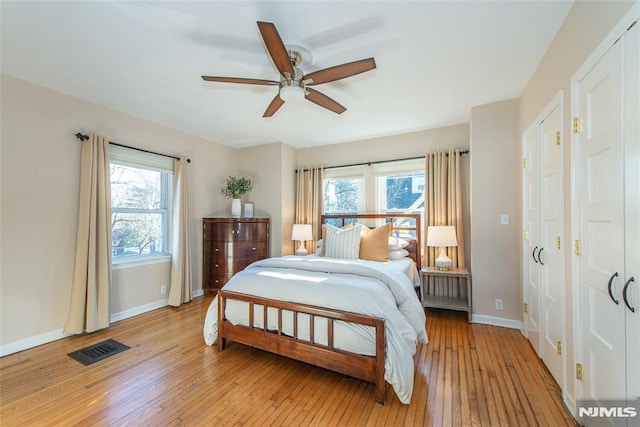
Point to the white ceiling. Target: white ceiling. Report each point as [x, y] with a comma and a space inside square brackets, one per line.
[435, 60]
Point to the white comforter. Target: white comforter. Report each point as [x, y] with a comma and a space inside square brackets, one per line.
[366, 287]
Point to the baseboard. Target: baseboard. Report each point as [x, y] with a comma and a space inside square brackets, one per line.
[34, 341]
[197, 293]
[497, 321]
[138, 310]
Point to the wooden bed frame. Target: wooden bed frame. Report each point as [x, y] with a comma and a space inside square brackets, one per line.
[366, 368]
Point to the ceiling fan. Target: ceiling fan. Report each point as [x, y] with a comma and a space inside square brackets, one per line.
[293, 82]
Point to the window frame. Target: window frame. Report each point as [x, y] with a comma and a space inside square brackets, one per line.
[135, 159]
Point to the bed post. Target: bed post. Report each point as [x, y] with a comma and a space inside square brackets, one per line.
[221, 308]
[381, 385]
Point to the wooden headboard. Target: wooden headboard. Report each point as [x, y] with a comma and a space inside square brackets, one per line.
[406, 226]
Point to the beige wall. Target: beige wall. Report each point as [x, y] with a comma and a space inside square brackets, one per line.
[586, 26]
[40, 172]
[270, 167]
[495, 191]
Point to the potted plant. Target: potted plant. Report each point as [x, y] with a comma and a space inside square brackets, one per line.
[234, 188]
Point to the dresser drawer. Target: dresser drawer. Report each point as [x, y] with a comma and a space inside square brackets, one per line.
[236, 231]
[235, 249]
[220, 265]
[217, 281]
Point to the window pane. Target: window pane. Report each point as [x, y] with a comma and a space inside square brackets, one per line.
[135, 188]
[343, 195]
[404, 193]
[136, 233]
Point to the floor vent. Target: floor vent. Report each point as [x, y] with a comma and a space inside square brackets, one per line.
[97, 352]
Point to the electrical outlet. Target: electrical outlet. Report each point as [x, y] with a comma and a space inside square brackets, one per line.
[499, 305]
[163, 289]
[504, 219]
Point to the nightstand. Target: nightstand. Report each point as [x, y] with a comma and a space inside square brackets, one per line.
[459, 303]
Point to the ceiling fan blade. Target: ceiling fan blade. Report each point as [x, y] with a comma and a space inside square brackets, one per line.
[276, 103]
[324, 101]
[239, 80]
[340, 71]
[276, 48]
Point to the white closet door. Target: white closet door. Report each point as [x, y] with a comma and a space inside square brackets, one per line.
[632, 208]
[531, 209]
[600, 178]
[550, 254]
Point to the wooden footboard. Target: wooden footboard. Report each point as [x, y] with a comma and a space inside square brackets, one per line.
[366, 368]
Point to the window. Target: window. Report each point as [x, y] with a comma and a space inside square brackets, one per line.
[343, 190]
[389, 187]
[140, 203]
[400, 186]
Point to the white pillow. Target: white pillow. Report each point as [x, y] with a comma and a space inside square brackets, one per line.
[396, 243]
[343, 244]
[398, 253]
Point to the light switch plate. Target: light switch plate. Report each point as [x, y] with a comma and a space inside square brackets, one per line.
[504, 219]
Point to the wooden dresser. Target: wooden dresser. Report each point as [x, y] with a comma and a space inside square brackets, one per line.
[229, 245]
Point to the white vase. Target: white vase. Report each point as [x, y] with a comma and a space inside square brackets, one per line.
[235, 207]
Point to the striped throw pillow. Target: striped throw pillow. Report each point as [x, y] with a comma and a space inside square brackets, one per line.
[343, 244]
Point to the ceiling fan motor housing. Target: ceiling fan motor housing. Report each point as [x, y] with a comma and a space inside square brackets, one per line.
[292, 88]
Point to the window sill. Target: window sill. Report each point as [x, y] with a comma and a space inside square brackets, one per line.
[118, 264]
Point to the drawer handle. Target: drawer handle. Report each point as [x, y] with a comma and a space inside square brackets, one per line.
[253, 249]
[217, 249]
[217, 266]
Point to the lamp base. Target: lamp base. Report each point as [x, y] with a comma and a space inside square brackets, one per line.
[302, 251]
[443, 262]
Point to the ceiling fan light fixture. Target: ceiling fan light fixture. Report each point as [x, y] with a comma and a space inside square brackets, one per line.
[292, 92]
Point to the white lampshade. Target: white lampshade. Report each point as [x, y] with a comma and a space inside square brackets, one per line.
[442, 236]
[301, 233]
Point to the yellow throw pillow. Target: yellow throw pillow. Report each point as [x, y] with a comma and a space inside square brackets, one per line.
[374, 246]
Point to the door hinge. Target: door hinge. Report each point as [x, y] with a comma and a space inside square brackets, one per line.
[559, 348]
[525, 235]
[524, 163]
[577, 248]
[558, 242]
[577, 125]
[558, 138]
[526, 307]
[579, 371]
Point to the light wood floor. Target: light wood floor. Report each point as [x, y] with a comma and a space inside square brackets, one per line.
[468, 375]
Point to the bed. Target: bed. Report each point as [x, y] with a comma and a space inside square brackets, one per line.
[361, 318]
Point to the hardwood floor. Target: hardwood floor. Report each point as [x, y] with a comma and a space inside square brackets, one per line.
[468, 375]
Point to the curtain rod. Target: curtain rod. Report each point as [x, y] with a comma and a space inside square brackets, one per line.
[381, 161]
[83, 138]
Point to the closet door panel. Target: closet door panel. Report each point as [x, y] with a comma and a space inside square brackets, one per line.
[551, 255]
[601, 227]
[531, 211]
[632, 207]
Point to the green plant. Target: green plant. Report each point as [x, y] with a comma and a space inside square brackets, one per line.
[234, 187]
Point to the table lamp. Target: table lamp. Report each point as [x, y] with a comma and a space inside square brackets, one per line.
[442, 236]
[301, 233]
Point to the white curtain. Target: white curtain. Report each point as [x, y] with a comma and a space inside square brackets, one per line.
[181, 289]
[443, 206]
[309, 201]
[89, 308]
